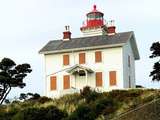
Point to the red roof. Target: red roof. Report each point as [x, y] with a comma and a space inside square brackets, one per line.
[94, 10]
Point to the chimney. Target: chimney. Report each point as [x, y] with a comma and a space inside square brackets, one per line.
[67, 34]
[111, 28]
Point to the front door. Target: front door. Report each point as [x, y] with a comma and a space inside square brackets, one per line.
[80, 80]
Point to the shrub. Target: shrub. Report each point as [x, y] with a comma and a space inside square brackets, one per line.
[48, 113]
[148, 98]
[44, 99]
[55, 114]
[83, 112]
[88, 94]
[69, 98]
[125, 95]
[104, 106]
[30, 114]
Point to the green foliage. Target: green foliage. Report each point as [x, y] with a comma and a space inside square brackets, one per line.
[73, 107]
[124, 95]
[104, 106]
[44, 99]
[23, 96]
[155, 74]
[49, 113]
[11, 75]
[155, 48]
[83, 112]
[88, 94]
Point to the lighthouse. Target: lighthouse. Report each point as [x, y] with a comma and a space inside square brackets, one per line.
[95, 24]
[102, 58]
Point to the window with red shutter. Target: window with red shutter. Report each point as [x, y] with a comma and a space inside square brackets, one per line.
[66, 82]
[98, 56]
[65, 59]
[99, 79]
[53, 82]
[81, 58]
[112, 78]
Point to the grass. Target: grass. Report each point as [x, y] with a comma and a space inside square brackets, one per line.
[108, 103]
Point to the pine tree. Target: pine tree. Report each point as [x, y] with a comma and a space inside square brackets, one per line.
[11, 75]
[155, 74]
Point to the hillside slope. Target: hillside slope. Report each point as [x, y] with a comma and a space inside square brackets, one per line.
[88, 105]
[148, 111]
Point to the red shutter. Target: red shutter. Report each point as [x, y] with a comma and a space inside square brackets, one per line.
[53, 82]
[112, 77]
[66, 81]
[65, 59]
[98, 56]
[81, 58]
[99, 79]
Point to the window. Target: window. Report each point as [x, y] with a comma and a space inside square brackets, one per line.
[98, 79]
[66, 82]
[65, 59]
[82, 73]
[112, 78]
[53, 83]
[98, 56]
[81, 58]
[129, 61]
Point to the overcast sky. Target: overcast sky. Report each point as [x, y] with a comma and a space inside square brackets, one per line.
[27, 25]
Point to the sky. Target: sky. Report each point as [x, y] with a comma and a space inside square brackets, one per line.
[27, 25]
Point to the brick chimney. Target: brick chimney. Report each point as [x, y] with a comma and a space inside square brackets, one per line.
[111, 28]
[66, 34]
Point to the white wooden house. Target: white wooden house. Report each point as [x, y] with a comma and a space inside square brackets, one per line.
[102, 58]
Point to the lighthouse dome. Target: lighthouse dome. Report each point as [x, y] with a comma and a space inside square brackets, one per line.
[94, 19]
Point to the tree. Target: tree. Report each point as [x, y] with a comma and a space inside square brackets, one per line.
[155, 74]
[11, 75]
[29, 96]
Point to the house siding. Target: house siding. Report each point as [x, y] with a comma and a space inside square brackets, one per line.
[128, 71]
[111, 61]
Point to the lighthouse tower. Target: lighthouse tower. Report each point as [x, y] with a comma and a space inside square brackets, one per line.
[95, 24]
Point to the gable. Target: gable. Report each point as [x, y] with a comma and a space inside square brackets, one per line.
[134, 48]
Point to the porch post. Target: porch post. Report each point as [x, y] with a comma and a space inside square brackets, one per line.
[75, 80]
[86, 77]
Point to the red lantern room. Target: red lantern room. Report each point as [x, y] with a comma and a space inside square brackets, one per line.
[94, 19]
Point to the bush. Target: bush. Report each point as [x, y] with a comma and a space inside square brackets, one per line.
[69, 98]
[48, 113]
[83, 112]
[125, 95]
[55, 114]
[44, 99]
[31, 114]
[104, 106]
[88, 94]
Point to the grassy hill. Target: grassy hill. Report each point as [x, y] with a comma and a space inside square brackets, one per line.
[89, 105]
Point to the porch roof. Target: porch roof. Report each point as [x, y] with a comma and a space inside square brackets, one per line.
[77, 68]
